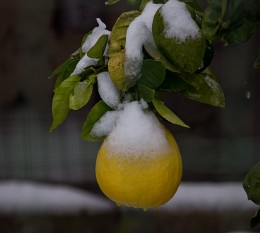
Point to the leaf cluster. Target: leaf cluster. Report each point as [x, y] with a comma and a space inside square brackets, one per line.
[73, 92]
[170, 67]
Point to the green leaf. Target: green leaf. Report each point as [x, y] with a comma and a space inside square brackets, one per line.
[60, 68]
[60, 101]
[81, 95]
[173, 82]
[68, 69]
[232, 21]
[239, 34]
[146, 93]
[213, 18]
[207, 89]
[98, 49]
[186, 55]
[167, 114]
[251, 184]
[152, 74]
[243, 21]
[133, 2]
[117, 49]
[255, 220]
[201, 87]
[143, 4]
[94, 115]
[194, 4]
[111, 2]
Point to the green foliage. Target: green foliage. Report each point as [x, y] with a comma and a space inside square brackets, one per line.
[146, 93]
[65, 70]
[98, 49]
[255, 220]
[152, 74]
[171, 66]
[134, 2]
[117, 49]
[167, 114]
[232, 21]
[94, 115]
[201, 87]
[60, 102]
[187, 55]
[111, 2]
[251, 185]
[81, 94]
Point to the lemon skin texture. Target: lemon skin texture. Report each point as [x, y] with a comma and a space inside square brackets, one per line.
[139, 181]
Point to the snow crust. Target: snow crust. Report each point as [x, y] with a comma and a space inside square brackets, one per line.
[137, 133]
[107, 90]
[105, 124]
[84, 62]
[209, 197]
[28, 197]
[178, 21]
[88, 44]
[138, 34]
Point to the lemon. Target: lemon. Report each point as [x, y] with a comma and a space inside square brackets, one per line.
[140, 181]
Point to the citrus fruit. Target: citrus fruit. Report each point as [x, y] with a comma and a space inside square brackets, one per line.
[140, 181]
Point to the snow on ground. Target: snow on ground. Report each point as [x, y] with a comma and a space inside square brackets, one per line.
[37, 198]
[28, 197]
[209, 197]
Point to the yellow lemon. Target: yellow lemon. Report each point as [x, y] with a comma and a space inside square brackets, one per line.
[140, 181]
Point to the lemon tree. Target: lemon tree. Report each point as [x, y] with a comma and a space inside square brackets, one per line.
[162, 46]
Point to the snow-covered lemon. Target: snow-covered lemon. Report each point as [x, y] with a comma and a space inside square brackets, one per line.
[143, 176]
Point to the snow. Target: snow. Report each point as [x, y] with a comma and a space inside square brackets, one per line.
[105, 124]
[138, 34]
[209, 197]
[88, 44]
[178, 21]
[107, 90]
[94, 36]
[84, 62]
[137, 133]
[28, 197]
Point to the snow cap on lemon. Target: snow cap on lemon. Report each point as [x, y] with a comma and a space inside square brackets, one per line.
[137, 133]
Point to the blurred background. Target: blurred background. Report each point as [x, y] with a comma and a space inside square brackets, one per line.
[47, 181]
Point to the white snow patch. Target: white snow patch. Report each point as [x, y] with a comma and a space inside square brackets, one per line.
[138, 34]
[105, 124]
[88, 44]
[209, 197]
[143, 103]
[107, 90]
[84, 62]
[27, 197]
[137, 133]
[94, 36]
[178, 21]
